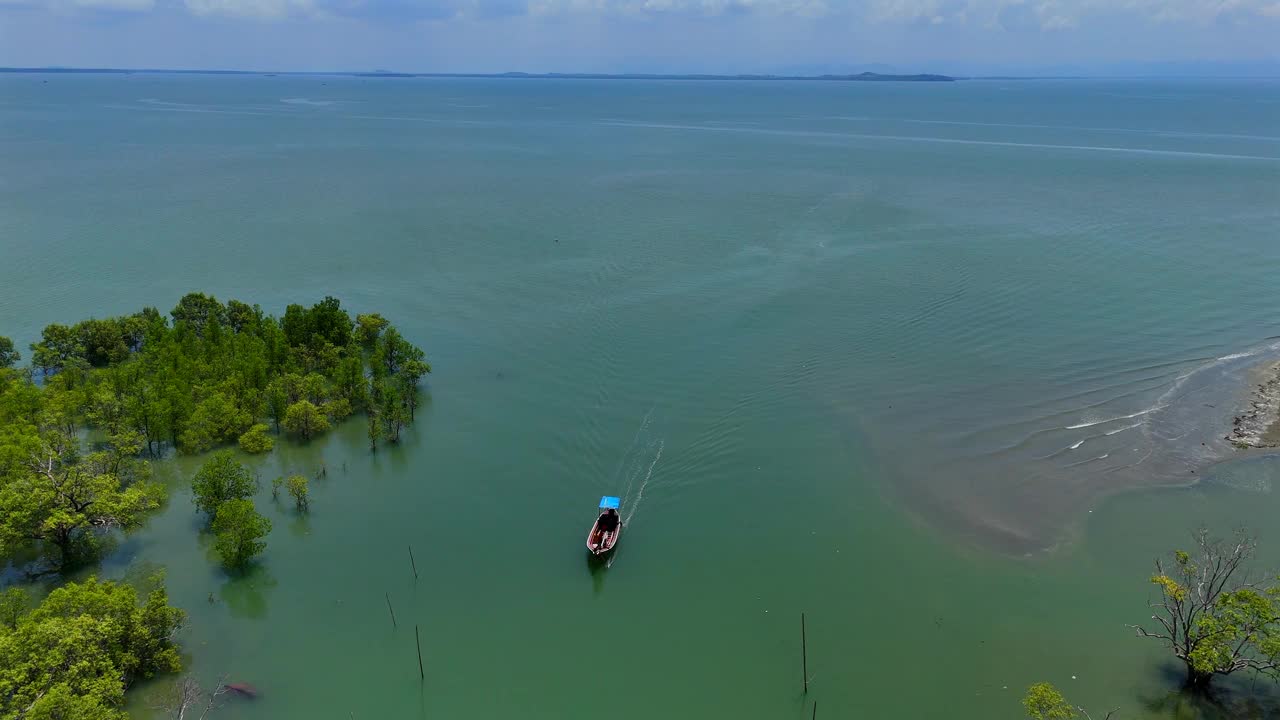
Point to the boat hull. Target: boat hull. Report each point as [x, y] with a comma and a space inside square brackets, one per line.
[597, 544]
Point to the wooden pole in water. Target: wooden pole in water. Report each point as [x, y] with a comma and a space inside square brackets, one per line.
[815, 711]
[804, 655]
[422, 675]
[413, 563]
[393, 612]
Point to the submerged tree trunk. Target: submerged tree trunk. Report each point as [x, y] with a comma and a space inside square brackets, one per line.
[1197, 681]
[63, 539]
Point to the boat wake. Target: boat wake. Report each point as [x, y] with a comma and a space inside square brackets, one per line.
[633, 503]
[636, 467]
[614, 479]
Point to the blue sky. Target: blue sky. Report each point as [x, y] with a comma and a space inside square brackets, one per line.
[950, 36]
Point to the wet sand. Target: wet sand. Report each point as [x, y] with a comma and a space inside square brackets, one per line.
[1258, 425]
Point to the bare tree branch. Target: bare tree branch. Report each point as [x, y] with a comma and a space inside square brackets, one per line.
[188, 695]
[1211, 614]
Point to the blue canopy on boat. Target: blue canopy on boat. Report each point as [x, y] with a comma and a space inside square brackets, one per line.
[609, 503]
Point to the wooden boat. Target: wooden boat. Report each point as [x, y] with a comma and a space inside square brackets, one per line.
[599, 540]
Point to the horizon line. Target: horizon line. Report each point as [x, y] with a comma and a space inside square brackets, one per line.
[518, 74]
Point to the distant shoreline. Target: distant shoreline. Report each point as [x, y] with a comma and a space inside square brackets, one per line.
[860, 77]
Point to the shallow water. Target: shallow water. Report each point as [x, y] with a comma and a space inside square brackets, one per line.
[850, 350]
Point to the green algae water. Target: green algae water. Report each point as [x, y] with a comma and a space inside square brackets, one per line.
[885, 354]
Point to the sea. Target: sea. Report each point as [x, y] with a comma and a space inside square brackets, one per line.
[940, 368]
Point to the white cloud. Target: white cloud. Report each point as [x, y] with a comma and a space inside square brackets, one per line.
[65, 6]
[123, 5]
[709, 8]
[1009, 15]
[1062, 14]
[255, 9]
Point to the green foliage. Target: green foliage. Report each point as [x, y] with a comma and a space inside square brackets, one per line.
[277, 401]
[242, 317]
[238, 529]
[205, 379]
[338, 408]
[72, 657]
[52, 491]
[1211, 617]
[374, 428]
[325, 322]
[256, 440]
[13, 604]
[215, 420]
[392, 352]
[8, 356]
[220, 479]
[198, 312]
[198, 379]
[390, 407]
[98, 343]
[305, 419]
[1244, 616]
[368, 328]
[57, 344]
[1170, 587]
[299, 490]
[1044, 702]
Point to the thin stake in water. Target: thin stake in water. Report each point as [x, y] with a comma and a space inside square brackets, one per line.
[804, 658]
[815, 711]
[393, 612]
[414, 564]
[422, 675]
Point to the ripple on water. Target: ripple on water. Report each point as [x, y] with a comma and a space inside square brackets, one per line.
[1046, 459]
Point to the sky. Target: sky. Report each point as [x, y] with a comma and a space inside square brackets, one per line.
[962, 37]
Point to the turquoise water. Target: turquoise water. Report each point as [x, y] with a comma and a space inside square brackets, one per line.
[873, 352]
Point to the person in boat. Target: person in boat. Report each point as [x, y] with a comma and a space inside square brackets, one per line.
[608, 526]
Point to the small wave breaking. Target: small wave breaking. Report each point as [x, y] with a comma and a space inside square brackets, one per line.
[1148, 411]
[1103, 456]
[1126, 427]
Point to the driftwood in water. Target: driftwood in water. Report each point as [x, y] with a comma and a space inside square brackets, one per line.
[244, 690]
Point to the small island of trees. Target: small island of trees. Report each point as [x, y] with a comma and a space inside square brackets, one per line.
[104, 395]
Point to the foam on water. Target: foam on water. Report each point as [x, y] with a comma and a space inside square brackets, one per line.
[1103, 456]
[952, 141]
[1126, 427]
[1113, 419]
[633, 503]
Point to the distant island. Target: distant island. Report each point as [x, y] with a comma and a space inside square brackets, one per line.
[860, 77]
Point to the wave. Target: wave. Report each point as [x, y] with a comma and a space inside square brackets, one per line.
[1126, 427]
[1148, 411]
[163, 107]
[948, 141]
[1136, 131]
[1169, 396]
[1103, 456]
